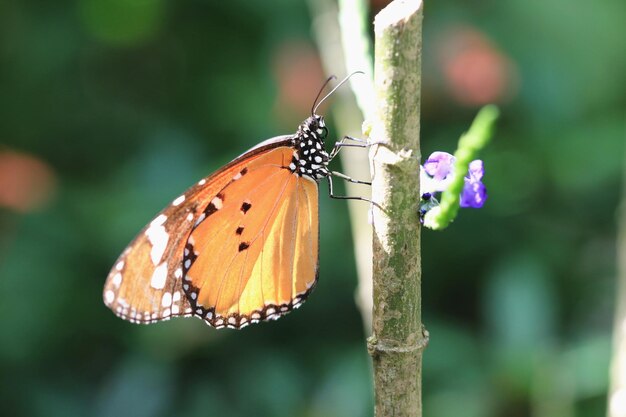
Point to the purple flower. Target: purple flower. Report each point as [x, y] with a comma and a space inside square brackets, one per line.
[437, 174]
[439, 165]
[474, 191]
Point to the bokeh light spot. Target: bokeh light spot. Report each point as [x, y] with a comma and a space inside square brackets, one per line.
[298, 71]
[26, 182]
[475, 71]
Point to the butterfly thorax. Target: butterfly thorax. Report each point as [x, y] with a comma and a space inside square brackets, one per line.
[310, 159]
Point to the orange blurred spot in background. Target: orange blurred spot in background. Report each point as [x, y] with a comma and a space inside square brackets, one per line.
[475, 72]
[26, 182]
[298, 71]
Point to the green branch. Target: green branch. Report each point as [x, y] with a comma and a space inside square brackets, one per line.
[470, 144]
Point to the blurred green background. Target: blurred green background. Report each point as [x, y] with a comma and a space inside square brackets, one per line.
[110, 109]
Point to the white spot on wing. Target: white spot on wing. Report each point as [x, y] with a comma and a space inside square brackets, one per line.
[217, 202]
[120, 265]
[200, 219]
[178, 200]
[158, 237]
[159, 276]
[202, 182]
[159, 220]
[117, 280]
[109, 296]
[166, 300]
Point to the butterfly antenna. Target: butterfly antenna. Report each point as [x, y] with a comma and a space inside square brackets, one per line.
[331, 91]
[314, 107]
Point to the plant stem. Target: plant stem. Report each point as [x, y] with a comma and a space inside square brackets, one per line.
[348, 119]
[617, 389]
[398, 338]
[353, 15]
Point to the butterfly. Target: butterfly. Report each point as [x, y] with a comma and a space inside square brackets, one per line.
[238, 247]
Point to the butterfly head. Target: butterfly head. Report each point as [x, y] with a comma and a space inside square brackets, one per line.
[315, 126]
[310, 158]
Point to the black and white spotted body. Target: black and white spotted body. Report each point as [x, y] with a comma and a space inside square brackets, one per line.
[310, 159]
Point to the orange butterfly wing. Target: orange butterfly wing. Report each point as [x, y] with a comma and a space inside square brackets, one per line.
[254, 254]
[145, 284]
[238, 247]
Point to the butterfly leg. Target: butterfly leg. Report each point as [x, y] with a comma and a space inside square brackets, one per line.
[362, 143]
[350, 179]
[342, 144]
[345, 197]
